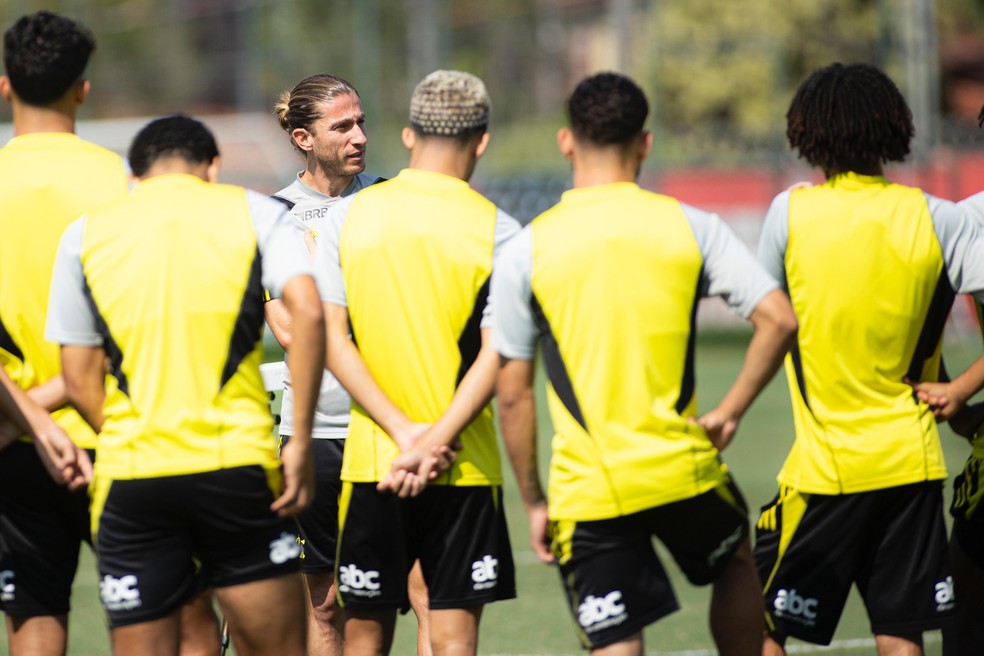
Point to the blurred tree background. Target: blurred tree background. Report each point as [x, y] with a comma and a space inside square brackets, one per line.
[720, 74]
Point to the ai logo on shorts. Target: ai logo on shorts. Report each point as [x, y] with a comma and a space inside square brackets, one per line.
[119, 593]
[800, 609]
[596, 613]
[354, 580]
[7, 585]
[284, 548]
[945, 597]
[485, 573]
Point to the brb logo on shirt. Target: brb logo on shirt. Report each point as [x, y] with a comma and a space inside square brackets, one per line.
[485, 573]
[596, 613]
[790, 605]
[7, 585]
[119, 593]
[284, 548]
[361, 584]
[945, 597]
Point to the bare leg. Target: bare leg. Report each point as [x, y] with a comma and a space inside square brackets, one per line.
[369, 633]
[417, 591]
[773, 645]
[968, 637]
[155, 638]
[200, 627]
[737, 611]
[46, 635]
[266, 617]
[631, 646]
[898, 646]
[454, 631]
[326, 621]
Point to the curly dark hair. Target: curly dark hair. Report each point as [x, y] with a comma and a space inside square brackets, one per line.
[848, 118]
[171, 136]
[44, 54]
[607, 109]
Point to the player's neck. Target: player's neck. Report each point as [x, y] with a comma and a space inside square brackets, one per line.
[604, 165]
[452, 162]
[330, 185]
[594, 174]
[872, 169]
[29, 119]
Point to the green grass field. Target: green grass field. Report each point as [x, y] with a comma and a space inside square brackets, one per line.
[537, 622]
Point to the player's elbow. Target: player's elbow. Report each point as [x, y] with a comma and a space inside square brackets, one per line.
[787, 327]
[775, 314]
[307, 313]
[509, 396]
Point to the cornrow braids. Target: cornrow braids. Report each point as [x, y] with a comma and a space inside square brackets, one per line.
[849, 117]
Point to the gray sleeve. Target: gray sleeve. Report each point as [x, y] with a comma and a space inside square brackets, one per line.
[973, 207]
[327, 259]
[730, 270]
[514, 333]
[774, 239]
[961, 239]
[70, 314]
[284, 256]
[506, 227]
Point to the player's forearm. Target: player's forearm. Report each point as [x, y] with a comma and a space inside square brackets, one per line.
[968, 383]
[83, 368]
[346, 364]
[517, 421]
[12, 404]
[308, 350]
[775, 333]
[279, 321]
[471, 397]
[23, 415]
[50, 395]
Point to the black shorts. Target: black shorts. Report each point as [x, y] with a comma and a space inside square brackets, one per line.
[613, 578]
[458, 533]
[42, 526]
[810, 548]
[160, 540]
[318, 525]
[966, 508]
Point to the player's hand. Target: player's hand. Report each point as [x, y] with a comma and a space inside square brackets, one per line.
[412, 470]
[720, 427]
[298, 468]
[944, 399]
[65, 462]
[539, 540]
[402, 478]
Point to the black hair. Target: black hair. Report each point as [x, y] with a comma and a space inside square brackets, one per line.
[849, 118]
[44, 54]
[171, 136]
[607, 109]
